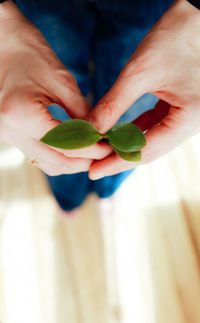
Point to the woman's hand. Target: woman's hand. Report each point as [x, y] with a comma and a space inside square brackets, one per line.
[31, 78]
[167, 64]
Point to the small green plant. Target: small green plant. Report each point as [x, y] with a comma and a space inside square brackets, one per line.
[126, 139]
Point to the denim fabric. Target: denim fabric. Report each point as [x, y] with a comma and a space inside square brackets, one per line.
[106, 32]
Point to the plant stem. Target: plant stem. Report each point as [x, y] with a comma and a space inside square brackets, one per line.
[104, 136]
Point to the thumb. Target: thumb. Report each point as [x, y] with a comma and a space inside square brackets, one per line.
[161, 139]
[132, 83]
[67, 95]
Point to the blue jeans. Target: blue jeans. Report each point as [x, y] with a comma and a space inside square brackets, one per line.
[105, 32]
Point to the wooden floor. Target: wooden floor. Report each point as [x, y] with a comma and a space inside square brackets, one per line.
[141, 264]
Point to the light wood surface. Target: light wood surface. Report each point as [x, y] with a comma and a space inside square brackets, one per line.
[132, 258]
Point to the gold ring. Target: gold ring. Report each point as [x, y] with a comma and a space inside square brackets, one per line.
[34, 162]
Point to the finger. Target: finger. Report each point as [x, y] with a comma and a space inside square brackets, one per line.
[152, 117]
[27, 113]
[52, 162]
[96, 151]
[66, 93]
[161, 139]
[49, 160]
[30, 116]
[42, 122]
[132, 83]
[35, 121]
[109, 166]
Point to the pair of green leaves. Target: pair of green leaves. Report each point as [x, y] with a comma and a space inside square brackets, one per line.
[126, 139]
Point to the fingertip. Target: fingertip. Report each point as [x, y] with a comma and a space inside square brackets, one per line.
[91, 119]
[101, 168]
[98, 118]
[86, 107]
[94, 177]
[92, 174]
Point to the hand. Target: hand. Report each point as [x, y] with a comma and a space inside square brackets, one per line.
[167, 64]
[31, 78]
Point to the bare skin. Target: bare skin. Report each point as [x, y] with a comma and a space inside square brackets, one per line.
[31, 78]
[167, 64]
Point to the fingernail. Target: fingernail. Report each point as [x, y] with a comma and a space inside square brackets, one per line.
[96, 176]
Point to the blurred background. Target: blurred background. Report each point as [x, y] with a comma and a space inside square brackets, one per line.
[139, 264]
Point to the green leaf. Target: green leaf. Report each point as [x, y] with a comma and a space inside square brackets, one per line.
[126, 137]
[133, 156]
[72, 134]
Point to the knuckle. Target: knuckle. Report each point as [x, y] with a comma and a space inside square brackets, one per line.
[107, 105]
[8, 102]
[65, 78]
[9, 116]
[14, 105]
[132, 68]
